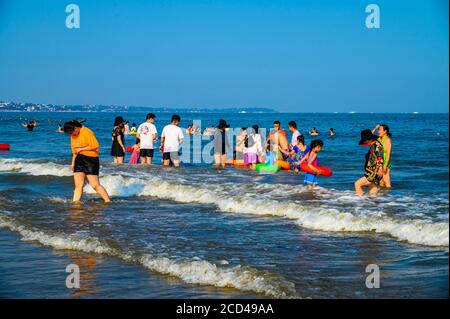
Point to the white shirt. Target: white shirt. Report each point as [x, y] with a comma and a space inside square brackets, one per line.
[256, 147]
[172, 135]
[146, 131]
[294, 137]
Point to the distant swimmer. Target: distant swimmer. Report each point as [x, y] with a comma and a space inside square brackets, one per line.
[60, 129]
[85, 160]
[331, 132]
[30, 125]
[373, 167]
[313, 132]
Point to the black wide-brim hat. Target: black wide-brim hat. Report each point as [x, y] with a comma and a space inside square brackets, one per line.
[223, 124]
[367, 136]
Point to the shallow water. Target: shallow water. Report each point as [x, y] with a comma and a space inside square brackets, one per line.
[197, 232]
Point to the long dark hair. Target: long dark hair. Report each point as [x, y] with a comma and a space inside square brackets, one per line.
[70, 126]
[386, 128]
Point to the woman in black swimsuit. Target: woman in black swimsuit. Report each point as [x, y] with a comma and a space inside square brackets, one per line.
[117, 137]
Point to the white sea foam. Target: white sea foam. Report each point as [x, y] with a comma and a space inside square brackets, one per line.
[33, 168]
[190, 271]
[412, 230]
[328, 215]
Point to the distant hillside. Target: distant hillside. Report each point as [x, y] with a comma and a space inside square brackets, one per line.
[33, 107]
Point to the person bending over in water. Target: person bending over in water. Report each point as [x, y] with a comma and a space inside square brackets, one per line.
[85, 161]
[312, 160]
[373, 167]
[298, 152]
[385, 140]
[60, 129]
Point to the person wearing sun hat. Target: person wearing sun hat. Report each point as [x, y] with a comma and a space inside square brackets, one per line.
[220, 144]
[373, 167]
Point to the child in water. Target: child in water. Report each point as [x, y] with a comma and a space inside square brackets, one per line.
[312, 160]
[134, 158]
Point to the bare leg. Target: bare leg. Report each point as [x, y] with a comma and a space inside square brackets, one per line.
[359, 185]
[149, 160]
[216, 160]
[224, 159]
[120, 160]
[387, 179]
[373, 189]
[95, 184]
[78, 179]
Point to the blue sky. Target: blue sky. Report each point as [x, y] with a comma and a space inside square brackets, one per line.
[293, 56]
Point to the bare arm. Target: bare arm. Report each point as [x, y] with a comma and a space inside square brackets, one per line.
[72, 165]
[310, 165]
[375, 128]
[388, 149]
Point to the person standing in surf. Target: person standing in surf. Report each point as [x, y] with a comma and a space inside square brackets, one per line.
[373, 167]
[171, 139]
[292, 125]
[277, 142]
[221, 144]
[386, 142]
[147, 134]
[118, 148]
[85, 160]
[253, 151]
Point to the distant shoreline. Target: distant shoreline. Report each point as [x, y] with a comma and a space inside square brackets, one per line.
[215, 112]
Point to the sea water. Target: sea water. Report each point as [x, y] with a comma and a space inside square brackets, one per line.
[197, 232]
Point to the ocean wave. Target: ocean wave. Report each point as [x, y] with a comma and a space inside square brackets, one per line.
[330, 210]
[412, 230]
[33, 168]
[199, 272]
